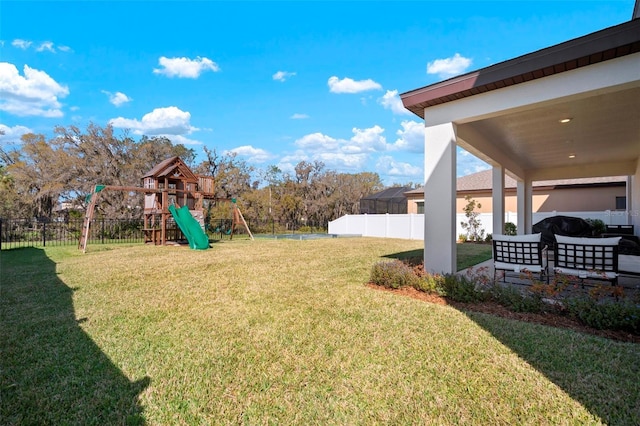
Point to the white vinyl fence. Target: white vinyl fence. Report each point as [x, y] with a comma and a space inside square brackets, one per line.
[411, 226]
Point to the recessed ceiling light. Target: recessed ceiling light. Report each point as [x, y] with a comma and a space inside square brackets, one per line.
[566, 120]
[572, 156]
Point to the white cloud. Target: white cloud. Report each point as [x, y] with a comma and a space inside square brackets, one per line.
[12, 135]
[351, 163]
[297, 116]
[350, 155]
[363, 141]
[283, 75]
[35, 93]
[410, 137]
[43, 46]
[21, 44]
[392, 101]
[253, 155]
[160, 121]
[468, 163]
[388, 166]
[366, 140]
[46, 45]
[317, 142]
[342, 161]
[117, 98]
[179, 139]
[347, 85]
[449, 67]
[185, 67]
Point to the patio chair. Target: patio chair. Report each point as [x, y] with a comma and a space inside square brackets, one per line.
[520, 254]
[587, 258]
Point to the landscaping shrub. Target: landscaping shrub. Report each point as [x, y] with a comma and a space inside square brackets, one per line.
[598, 226]
[430, 283]
[394, 274]
[611, 315]
[510, 228]
[460, 289]
[516, 300]
[603, 308]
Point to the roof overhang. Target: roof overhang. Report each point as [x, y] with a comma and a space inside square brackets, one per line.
[509, 113]
[593, 48]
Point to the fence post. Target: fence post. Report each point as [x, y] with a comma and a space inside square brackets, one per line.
[102, 231]
[44, 234]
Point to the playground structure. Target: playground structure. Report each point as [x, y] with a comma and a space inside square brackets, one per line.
[174, 201]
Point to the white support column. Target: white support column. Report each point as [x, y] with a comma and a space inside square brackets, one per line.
[528, 213]
[498, 199]
[634, 202]
[440, 199]
[524, 190]
[629, 199]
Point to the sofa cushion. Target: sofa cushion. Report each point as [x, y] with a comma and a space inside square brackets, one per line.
[611, 241]
[527, 238]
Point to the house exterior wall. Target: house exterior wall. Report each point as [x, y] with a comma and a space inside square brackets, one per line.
[544, 199]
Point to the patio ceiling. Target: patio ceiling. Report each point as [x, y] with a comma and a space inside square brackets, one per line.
[602, 138]
[510, 113]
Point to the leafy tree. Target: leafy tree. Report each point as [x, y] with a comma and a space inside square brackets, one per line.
[69, 165]
[36, 176]
[473, 225]
[232, 178]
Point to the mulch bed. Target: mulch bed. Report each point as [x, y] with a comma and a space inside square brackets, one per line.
[550, 319]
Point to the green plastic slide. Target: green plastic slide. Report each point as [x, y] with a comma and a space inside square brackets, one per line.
[198, 239]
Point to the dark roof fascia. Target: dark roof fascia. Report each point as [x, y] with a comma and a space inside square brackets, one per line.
[589, 185]
[602, 45]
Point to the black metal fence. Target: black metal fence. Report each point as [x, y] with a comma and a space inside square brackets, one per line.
[15, 233]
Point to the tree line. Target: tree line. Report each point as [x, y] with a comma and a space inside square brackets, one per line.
[41, 174]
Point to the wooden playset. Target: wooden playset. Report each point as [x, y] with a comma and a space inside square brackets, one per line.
[169, 184]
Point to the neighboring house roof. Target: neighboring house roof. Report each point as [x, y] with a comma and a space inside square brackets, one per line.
[172, 167]
[482, 181]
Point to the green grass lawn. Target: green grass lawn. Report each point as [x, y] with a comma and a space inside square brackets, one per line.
[280, 331]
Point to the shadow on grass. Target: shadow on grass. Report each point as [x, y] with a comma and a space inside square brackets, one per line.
[412, 257]
[601, 374]
[467, 255]
[51, 371]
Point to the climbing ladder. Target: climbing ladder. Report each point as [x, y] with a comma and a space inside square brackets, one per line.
[88, 217]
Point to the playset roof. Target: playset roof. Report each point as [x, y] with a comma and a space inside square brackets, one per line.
[174, 168]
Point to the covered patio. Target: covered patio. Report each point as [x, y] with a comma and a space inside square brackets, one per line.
[568, 111]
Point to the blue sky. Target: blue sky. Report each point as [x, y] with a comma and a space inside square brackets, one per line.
[275, 82]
